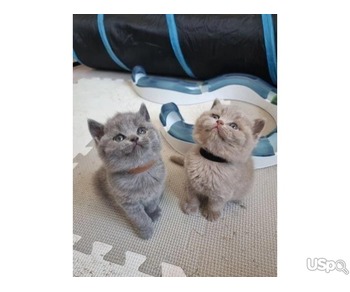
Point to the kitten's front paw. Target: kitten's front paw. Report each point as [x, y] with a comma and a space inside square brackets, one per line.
[189, 209]
[212, 215]
[155, 214]
[146, 233]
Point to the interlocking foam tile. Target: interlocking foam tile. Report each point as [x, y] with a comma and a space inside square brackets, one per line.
[241, 243]
[93, 265]
[83, 152]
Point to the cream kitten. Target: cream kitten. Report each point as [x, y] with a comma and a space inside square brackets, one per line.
[219, 168]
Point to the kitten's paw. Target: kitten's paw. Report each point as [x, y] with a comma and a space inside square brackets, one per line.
[189, 209]
[212, 215]
[146, 233]
[155, 214]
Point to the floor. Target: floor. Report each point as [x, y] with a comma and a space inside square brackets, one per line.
[242, 243]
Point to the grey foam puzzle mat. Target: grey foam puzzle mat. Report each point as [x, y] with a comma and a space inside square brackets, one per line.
[241, 243]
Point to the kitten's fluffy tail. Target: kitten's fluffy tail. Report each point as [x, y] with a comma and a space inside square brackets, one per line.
[178, 160]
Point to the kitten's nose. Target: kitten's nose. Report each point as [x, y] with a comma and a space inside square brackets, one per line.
[134, 139]
[220, 122]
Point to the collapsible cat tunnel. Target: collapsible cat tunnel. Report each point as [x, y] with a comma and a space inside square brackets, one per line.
[197, 47]
[193, 46]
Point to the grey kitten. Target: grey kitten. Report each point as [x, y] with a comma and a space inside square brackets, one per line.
[133, 172]
[219, 167]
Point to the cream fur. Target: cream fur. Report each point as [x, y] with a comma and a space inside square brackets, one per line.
[225, 132]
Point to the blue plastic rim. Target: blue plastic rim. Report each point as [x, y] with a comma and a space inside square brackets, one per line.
[179, 133]
[178, 128]
[256, 84]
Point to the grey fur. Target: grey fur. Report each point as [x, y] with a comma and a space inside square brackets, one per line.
[216, 182]
[138, 194]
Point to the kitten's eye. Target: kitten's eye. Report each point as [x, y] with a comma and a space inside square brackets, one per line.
[141, 131]
[216, 117]
[119, 138]
[234, 126]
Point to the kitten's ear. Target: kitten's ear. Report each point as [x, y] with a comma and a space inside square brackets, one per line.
[144, 112]
[216, 102]
[96, 130]
[257, 127]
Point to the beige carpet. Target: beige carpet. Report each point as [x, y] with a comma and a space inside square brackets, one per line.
[242, 243]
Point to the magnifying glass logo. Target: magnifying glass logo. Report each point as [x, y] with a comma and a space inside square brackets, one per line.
[340, 266]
